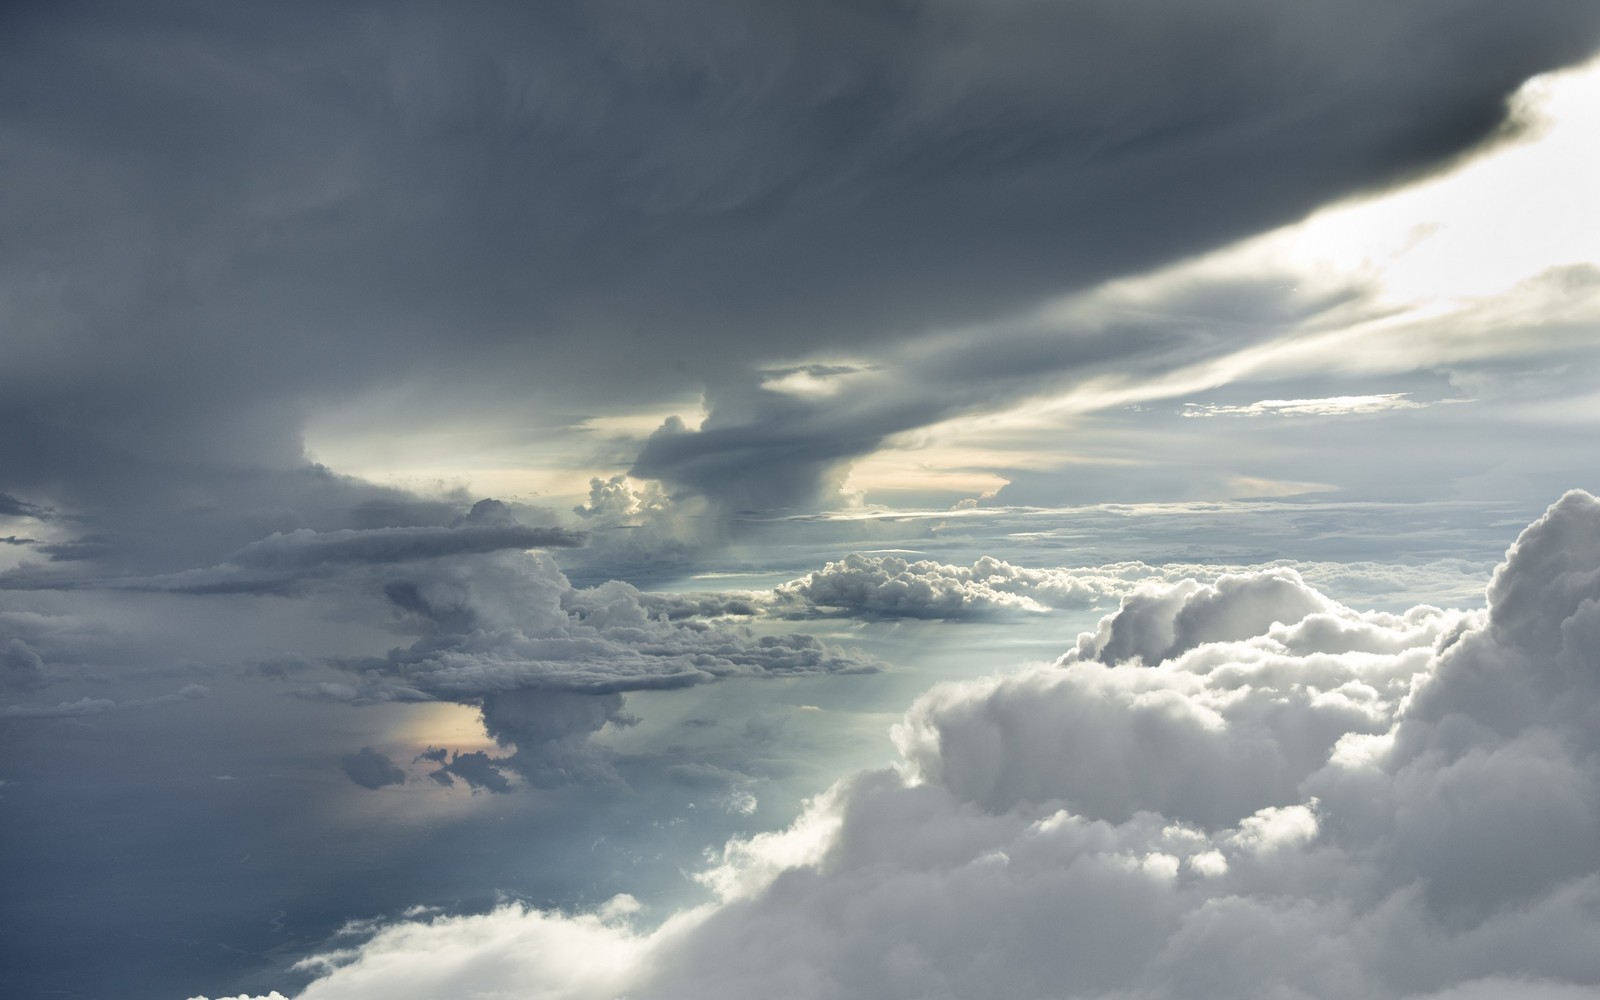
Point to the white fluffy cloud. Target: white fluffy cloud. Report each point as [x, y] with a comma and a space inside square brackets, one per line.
[1259, 793]
[888, 586]
[891, 587]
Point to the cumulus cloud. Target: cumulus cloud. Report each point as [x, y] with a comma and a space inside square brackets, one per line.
[892, 587]
[509, 622]
[888, 586]
[548, 663]
[1295, 800]
[285, 561]
[480, 771]
[372, 769]
[1160, 622]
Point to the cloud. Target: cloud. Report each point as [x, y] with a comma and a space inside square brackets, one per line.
[525, 214]
[94, 706]
[509, 622]
[1162, 622]
[284, 561]
[1340, 805]
[371, 769]
[305, 549]
[10, 506]
[892, 587]
[1330, 406]
[479, 770]
[889, 587]
[547, 664]
[21, 667]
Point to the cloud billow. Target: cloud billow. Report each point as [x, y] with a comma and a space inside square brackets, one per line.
[1330, 803]
[548, 664]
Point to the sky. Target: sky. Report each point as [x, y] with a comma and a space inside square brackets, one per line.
[900, 498]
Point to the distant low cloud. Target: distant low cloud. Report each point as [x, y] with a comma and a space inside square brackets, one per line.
[95, 706]
[306, 549]
[1325, 804]
[1330, 406]
[888, 587]
[285, 560]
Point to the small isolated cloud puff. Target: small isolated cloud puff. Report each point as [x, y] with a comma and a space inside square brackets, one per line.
[1341, 806]
[371, 769]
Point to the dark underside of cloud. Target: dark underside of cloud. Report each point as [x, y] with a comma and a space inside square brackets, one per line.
[1241, 789]
[548, 664]
[223, 218]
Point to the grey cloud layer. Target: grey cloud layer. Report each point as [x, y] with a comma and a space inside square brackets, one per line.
[1333, 804]
[223, 220]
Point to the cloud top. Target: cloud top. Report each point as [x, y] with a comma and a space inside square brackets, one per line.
[1277, 797]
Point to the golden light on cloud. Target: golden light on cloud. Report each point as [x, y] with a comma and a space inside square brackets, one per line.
[1445, 267]
[914, 472]
[1522, 207]
[439, 724]
[1498, 255]
[374, 438]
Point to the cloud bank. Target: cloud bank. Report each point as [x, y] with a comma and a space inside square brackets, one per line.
[539, 211]
[1261, 793]
[866, 586]
[548, 663]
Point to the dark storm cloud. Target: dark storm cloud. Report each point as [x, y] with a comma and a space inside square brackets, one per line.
[762, 448]
[224, 217]
[371, 769]
[477, 769]
[308, 550]
[284, 562]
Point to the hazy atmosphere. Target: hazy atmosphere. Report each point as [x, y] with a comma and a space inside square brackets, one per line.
[893, 498]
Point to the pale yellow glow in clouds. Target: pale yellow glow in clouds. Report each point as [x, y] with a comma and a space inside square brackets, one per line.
[1453, 267]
